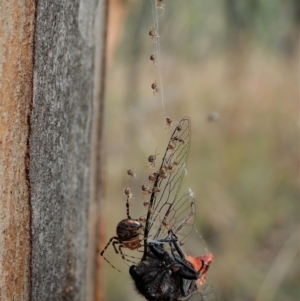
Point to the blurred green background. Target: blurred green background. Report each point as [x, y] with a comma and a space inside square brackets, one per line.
[239, 58]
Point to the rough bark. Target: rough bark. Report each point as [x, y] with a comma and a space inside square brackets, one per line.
[50, 129]
[16, 72]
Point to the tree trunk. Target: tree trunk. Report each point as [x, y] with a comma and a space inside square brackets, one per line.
[51, 102]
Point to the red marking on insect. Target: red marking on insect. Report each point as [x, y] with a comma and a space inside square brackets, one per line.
[201, 264]
[169, 222]
[171, 276]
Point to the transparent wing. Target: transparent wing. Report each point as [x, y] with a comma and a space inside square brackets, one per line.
[166, 209]
[205, 293]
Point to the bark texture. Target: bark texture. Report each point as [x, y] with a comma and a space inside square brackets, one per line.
[16, 72]
[50, 129]
[60, 173]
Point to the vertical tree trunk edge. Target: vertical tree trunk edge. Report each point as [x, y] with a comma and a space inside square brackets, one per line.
[26, 252]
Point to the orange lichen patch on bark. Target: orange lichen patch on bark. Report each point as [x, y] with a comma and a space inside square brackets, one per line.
[16, 72]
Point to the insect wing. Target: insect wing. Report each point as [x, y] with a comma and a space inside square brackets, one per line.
[166, 210]
[205, 293]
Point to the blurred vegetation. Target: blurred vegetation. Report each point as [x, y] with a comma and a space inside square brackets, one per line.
[240, 59]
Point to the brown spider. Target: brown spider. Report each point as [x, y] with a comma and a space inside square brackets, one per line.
[153, 176]
[151, 159]
[128, 234]
[153, 59]
[155, 87]
[163, 173]
[146, 188]
[171, 165]
[153, 34]
[179, 128]
[159, 4]
[131, 173]
[180, 140]
[169, 121]
[171, 145]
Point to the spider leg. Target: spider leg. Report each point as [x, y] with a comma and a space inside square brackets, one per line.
[113, 240]
[127, 207]
[116, 242]
[123, 255]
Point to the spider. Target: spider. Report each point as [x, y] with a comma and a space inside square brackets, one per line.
[152, 158]
[155, 87]
[165, 273]
[131, 173]
[153, 59]
[169, 121]
[166, 204]
[165, 209]
[159, 4]
[128, 234]
[153, 34]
